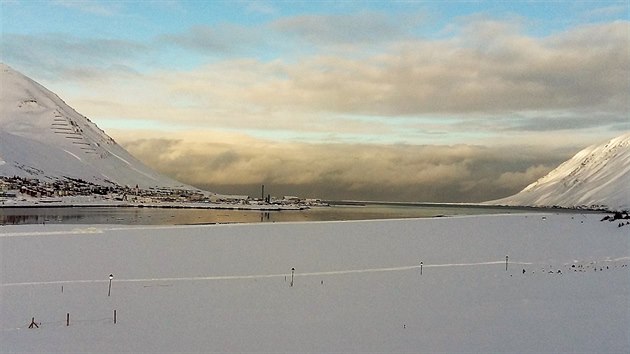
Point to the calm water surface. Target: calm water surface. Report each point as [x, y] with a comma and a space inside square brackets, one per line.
[158, 216]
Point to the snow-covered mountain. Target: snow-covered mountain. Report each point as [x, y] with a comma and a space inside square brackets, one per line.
[596, 176]
[42, 137]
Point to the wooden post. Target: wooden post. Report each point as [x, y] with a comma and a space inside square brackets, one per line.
[114, 316]
[67, 319]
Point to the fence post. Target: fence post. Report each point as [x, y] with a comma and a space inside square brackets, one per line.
[109, 290]
[114, 316]
[292, 273]
[67, 319]
[506, 263]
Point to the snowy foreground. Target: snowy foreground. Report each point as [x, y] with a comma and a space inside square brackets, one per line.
[357, 287]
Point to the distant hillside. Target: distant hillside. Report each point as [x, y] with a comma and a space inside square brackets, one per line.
[598, 176]
[42, 137]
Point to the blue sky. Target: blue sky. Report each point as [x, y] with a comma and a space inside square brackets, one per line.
[147, 21]
[256, 91]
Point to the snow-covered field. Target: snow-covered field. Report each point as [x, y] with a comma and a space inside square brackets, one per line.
[358, 286]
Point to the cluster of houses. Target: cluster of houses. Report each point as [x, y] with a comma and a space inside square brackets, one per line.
[13, 188]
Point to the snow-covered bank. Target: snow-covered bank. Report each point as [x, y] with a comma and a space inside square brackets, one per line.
[357, 286]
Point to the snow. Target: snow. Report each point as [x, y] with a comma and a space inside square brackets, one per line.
[357, 286]
[73, 155]
[596, 176]
[42, 137]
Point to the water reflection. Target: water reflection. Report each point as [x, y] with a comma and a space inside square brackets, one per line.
[157, 216]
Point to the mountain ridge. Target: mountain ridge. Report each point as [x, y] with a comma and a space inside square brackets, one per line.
[596, 177]
[42, 137]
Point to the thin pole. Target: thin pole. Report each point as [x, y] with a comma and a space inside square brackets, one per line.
[506, 263]
[421, 264]
[109, 291]
[67, 319]
[292, 272]
[114, 316]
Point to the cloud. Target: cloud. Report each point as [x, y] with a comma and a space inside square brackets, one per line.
[486, 78]
[218, 39]
[487, 81]
[510, 179]
[490, 71]
[556, 121]
[607, 11]
[363, 27]
[91, 6]
[259, 7]
[239, 164]
[61, 57]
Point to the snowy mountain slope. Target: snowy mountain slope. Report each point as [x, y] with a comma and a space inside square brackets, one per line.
[42, 137]
[596, 176]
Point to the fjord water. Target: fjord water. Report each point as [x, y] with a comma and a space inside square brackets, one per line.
[168, 216]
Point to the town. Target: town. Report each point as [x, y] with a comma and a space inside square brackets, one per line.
[21, 191]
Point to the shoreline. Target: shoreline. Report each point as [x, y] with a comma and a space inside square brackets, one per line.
[292, 207]
[40, 204]
[481, 205]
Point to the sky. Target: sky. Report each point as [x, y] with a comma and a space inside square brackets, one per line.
[432, 101]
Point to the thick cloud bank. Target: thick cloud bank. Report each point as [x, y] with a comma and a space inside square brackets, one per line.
[459, 173]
